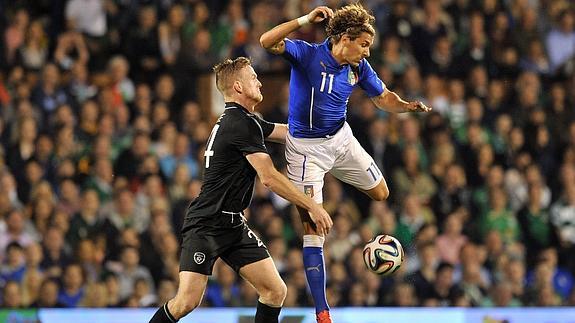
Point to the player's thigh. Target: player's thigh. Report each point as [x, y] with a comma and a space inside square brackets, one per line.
[356, 167]
[191, 287]
[264, 276]
[307, 163]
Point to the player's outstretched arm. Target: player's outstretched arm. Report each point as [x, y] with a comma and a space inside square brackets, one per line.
[391, 102]
[277, 182]
[273, 40]
[279, 133]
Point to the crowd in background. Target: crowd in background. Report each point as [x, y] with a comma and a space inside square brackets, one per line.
[102, 138]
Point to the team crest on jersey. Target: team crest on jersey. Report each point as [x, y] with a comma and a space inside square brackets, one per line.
[199, 257]
[308, 190]
[352, 77]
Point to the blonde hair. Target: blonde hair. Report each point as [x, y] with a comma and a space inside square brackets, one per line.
[352, 20]
[227, 70]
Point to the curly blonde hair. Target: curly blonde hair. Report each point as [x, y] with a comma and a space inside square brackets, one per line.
[352, 20]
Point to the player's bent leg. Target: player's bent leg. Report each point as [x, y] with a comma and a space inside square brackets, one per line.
[271, 289]
[380, 192]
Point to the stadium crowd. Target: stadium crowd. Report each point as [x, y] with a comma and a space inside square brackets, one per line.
[102, 142]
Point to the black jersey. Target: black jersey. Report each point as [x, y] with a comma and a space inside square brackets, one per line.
[228, 176]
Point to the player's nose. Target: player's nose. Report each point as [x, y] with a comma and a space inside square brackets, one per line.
[367, 53]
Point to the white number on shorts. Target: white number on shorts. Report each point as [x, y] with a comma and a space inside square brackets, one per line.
[252, 235]
[323, 77]
[374, 171]
[209, 152]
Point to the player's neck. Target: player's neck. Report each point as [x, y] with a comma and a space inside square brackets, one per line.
[246, 104]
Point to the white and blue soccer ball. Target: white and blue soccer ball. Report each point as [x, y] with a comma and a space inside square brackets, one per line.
[383, 255]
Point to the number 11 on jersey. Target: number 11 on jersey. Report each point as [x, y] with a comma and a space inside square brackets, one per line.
[209, 152]
[330, 85]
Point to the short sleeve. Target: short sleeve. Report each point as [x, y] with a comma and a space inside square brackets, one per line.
[369, 81]
[267, 127]
[297, 51]
[249, 137]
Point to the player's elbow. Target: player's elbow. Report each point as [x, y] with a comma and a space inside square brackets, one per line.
[264, 42]
[266, 179]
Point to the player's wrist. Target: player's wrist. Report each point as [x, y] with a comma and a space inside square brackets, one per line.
[303, 20]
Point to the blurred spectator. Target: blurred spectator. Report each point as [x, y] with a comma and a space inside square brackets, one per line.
[72, 290]
[225, 289]
[452, 240]
[129, 271]
[48, 295]
[11, 295]
[559, 39]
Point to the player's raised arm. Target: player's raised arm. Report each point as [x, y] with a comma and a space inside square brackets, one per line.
[391, 102]
[277, 182]
[273, 40]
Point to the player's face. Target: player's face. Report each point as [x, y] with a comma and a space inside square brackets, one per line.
[356, 50]
[251, 85]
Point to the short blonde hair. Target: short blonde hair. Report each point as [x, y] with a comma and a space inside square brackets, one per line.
[227, 70]
[352, 20]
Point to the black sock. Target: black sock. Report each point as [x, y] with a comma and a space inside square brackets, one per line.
[267, 314]
[163, 315]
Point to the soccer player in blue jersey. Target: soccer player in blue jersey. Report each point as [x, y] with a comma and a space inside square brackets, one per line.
[320, 140]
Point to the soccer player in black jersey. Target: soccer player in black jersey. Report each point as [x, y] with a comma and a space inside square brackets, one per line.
[214, 226]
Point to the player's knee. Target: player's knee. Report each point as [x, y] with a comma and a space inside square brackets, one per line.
[381, 193]
[274, 295]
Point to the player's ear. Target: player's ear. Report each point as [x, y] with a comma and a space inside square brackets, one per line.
[238, 86]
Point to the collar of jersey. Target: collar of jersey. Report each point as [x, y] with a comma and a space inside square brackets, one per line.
[230, 105]
[326, 47]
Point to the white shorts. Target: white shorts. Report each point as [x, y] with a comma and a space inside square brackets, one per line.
[309, 159]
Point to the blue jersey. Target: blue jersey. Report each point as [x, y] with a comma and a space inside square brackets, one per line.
[320, 88]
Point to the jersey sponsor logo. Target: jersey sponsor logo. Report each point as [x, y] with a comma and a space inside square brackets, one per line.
[308, 190]
[199, 258]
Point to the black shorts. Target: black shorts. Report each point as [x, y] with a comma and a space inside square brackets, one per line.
[237, 246]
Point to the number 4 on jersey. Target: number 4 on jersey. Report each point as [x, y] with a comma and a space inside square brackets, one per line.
[209, 152]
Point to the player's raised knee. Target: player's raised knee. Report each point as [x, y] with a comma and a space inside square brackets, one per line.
[380, 193]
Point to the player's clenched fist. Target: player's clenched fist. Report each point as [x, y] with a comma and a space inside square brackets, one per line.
[418, 106]
[319, 14]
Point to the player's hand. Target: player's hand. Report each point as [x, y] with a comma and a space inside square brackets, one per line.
[319, 14]
[417, 106]
[321, 219]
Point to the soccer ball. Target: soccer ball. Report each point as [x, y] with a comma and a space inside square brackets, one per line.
[383, 255]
